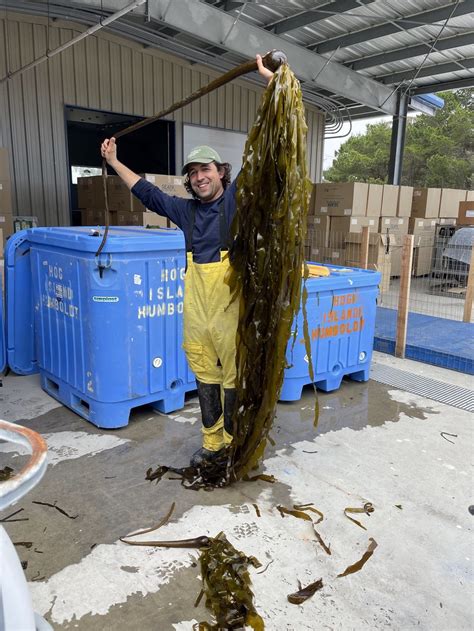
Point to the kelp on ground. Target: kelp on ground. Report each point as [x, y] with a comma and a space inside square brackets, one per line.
[227, 586]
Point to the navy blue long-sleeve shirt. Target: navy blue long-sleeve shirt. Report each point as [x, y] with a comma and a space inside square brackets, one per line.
[206, 238]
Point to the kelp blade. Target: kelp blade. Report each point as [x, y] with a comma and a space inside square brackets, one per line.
[305, 592]
[267, 256]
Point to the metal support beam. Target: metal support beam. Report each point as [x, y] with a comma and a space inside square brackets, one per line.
[397, 145]
[205, 23]
[427, 71]
[395, 26]
[445, 85]
[408, 52]
[314, 15]
[211, 25]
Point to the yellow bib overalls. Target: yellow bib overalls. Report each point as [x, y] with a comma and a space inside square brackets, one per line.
[210, 328]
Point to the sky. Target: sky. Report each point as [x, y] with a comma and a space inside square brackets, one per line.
[331, 145]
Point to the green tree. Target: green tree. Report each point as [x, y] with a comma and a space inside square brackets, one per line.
[439, 149]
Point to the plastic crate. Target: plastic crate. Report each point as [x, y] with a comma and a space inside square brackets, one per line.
[341, 311]
[108, 329]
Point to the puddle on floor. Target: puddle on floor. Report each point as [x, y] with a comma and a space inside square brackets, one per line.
[353, 406]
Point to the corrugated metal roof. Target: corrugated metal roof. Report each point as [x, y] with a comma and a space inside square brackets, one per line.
[409, 44]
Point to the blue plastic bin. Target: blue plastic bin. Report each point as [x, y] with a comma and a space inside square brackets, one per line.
[341, 312]
[3, 353]
[107, 329]
[19, 312]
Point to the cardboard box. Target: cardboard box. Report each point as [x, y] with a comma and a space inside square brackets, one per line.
[4, 164]
[383, 265]
[425, 202]
[421, 226]
[398, 225]
[121, 198]
[340, 226]
[6, 224]
[342, 199]
[447, 221]
[422, 256]
[466, 214]
[94, 217]
[379, 246]
[450, 199]
[374, 200]
[312, 201]
[405, 198]
[317, 234]
[146, 219]
[90, 192]
[389, 200]
[318, 255]
[5, 197]
[335, 256]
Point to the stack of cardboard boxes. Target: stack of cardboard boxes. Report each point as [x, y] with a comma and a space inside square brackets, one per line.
[339, 211]
[6, 217]
[432, 206]
[337, 214]
[124, 208]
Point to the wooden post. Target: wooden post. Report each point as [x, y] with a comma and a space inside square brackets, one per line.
[364, 248]
[404, 296]
[469, 290]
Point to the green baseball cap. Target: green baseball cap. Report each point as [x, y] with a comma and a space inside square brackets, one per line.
[202, 155]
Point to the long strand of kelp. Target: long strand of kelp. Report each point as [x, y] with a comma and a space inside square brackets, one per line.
[267, 257]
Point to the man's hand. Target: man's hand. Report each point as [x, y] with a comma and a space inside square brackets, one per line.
[265, 72]
[108, 150]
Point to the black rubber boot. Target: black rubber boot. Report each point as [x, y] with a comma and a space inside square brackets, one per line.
[230, 397]
[210, 402]
[204, 456]
[211, 410]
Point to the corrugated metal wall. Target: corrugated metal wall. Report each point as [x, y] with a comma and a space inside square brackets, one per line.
[107, 73]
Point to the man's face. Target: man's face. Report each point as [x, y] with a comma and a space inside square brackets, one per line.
[206, 180]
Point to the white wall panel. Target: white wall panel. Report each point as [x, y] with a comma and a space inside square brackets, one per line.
[108, 73]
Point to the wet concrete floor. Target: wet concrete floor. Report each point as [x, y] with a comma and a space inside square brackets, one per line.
[372, 444]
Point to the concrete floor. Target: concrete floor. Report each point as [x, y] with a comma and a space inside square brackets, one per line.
[373, 444]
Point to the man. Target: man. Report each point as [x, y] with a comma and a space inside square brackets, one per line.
[210, 320]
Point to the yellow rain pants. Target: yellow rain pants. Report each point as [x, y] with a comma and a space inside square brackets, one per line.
[210, 328]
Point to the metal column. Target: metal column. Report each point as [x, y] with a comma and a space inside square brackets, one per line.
[398, 139]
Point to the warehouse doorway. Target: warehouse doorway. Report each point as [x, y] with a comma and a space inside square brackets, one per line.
[147, 150]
